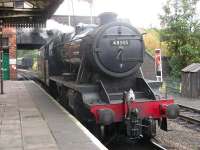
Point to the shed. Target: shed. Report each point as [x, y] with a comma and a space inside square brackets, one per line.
[190, 79]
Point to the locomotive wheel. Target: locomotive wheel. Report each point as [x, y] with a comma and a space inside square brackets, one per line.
[103, 133]
[85, 117]
[59, 97]
[64, 97]
[95, 130]
[52, 87]
[80, 111]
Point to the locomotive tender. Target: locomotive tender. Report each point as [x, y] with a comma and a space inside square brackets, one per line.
[97, 75]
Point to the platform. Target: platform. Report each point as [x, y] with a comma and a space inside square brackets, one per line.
[30, 119]
[190, 102]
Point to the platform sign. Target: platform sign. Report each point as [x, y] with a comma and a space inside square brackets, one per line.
[158, 65]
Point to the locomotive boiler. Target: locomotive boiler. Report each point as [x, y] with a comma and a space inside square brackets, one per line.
[97, 74]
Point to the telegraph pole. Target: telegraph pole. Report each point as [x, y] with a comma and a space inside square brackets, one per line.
[1, 55]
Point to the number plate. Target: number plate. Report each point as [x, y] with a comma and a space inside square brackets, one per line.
[120, 42]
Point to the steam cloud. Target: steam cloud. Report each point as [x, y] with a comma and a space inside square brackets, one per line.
[53, 25]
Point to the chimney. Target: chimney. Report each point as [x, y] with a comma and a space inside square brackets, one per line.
[107, 17]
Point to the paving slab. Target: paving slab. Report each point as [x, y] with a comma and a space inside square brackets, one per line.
[30, 119]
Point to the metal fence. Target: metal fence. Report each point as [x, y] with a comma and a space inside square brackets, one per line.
[171, 87]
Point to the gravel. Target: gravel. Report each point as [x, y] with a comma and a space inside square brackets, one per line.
[179, 137]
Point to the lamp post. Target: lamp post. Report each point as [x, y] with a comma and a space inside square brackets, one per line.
[1, 55]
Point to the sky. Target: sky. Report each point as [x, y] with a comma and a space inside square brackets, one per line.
[141, 13]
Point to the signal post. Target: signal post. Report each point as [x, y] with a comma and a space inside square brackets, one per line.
[158, 65]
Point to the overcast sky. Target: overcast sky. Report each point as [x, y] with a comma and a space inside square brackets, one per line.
[141, 13]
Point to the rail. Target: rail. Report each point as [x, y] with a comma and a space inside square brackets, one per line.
[156, 145]
[190, 108]
[189, 114]
[26, 75]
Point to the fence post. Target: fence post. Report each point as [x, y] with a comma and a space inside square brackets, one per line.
[166, 91]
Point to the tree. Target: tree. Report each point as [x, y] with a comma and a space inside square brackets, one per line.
[152, 42]
[181, 32]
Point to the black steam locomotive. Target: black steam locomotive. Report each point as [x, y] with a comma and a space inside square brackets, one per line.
[96, 74]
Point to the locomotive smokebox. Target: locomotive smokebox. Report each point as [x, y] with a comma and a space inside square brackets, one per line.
[107, 17]
[115, 48]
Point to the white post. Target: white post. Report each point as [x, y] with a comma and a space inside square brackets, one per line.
[158, 65]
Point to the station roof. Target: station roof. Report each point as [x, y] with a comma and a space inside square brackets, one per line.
[27, 13]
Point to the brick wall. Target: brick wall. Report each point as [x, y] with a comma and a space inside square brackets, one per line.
[10, 33]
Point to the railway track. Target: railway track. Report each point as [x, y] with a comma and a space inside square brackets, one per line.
[22, 76]
[151, 145]
[190, 115]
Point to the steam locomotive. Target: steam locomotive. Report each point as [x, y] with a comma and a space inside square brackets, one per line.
[97, 74]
